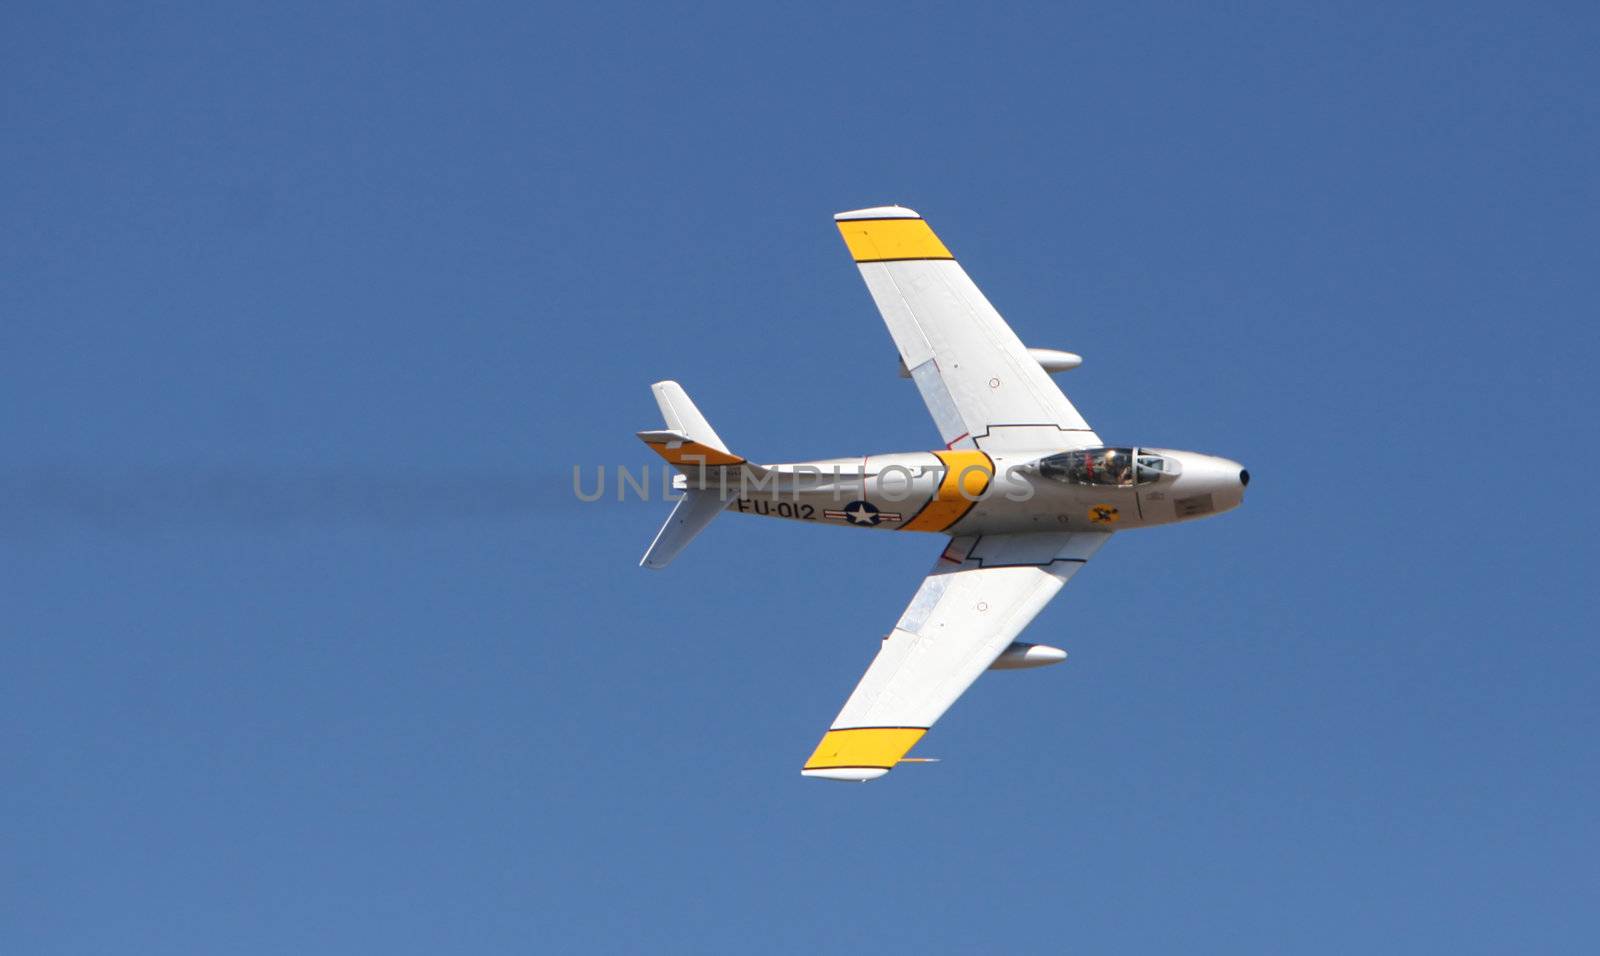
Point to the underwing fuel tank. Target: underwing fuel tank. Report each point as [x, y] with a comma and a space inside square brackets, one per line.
[1055, 360]
[1051, 360]
[1020, 655]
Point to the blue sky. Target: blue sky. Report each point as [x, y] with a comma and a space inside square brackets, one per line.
[306, 311]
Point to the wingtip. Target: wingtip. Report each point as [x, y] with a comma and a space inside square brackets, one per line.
[877, 212]
[847, 774]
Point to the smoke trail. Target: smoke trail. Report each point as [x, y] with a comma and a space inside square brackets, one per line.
[132, 501]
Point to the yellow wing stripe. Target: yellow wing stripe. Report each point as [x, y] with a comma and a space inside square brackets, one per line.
[691, 453]
[879, 240]
[864, 747]
[964, 471]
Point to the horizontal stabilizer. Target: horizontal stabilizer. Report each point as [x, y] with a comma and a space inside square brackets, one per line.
[689, 517]
[683, 452]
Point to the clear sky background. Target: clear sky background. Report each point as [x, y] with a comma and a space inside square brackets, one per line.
[307, 311]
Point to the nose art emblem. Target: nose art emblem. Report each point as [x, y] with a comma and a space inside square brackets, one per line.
[1104, 514]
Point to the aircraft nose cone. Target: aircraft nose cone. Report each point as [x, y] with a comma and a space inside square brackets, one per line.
[1244, 477]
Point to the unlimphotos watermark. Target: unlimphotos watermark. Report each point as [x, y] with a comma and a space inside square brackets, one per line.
[894, 482]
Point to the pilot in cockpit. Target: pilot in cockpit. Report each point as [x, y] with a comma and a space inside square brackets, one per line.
[1106, 467]
[1118, 468]
[1124, 473]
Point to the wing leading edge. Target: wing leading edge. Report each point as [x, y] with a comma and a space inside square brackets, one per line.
[976, 377]
[980, 595]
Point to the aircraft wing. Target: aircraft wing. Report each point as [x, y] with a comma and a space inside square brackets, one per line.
[980, 384]
[980, 595]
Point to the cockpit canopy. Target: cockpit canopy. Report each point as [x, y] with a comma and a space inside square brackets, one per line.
[1116, 467]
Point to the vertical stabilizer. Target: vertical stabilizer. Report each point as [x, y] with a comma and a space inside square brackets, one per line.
[683, 417]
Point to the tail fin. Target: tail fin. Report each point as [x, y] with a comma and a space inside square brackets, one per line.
[682, 417]
[690, 445]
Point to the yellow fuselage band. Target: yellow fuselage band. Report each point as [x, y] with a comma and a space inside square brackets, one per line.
[966, 476]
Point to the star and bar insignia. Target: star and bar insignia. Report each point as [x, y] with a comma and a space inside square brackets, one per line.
[863, 513]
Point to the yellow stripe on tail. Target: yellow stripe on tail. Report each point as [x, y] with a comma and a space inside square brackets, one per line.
[681, 451]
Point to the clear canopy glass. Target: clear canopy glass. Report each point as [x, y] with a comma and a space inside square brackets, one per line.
[1113, 467]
